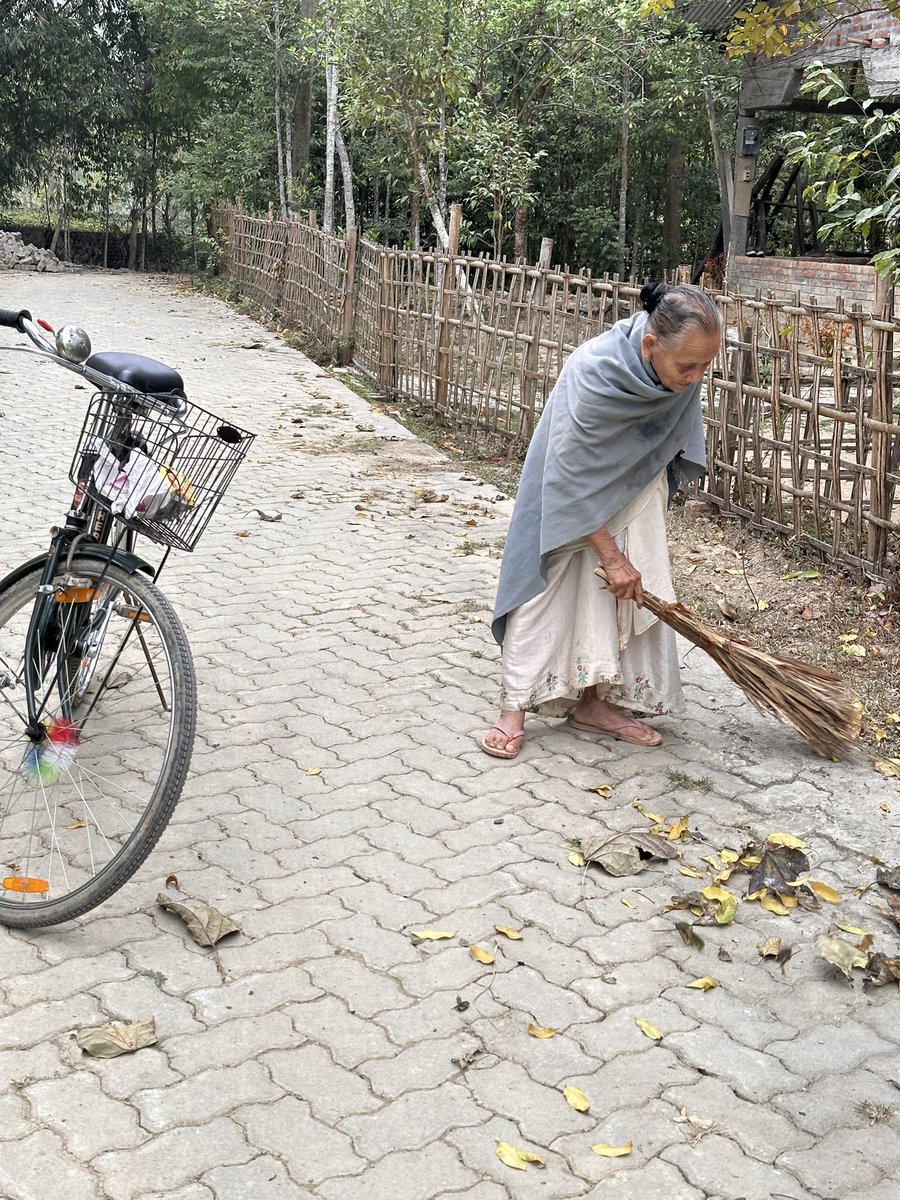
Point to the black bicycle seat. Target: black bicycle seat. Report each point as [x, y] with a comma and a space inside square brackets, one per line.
[145, 374]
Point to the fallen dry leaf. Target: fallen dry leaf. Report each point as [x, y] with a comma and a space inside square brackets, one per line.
[785, 839]
[770, 948]
[889, 767]
[514, 934]
[689, 935]
[518, 1159]
[78, 825]
[576, 858]
[853, 929]
[482, 956]
[779, 867]
[705, 984]
[690, 872]
[117, 1037]
[205, 924]
[881, 970]
[432, 935]
[606, 1151]
[841, 954]
[604, 790]
[647, 1029]
[576, 1098]
[824, 892]
[314, 770]
[537, 1032]
[626, 853]
[678, 830]
[243, 533]
[770, 904]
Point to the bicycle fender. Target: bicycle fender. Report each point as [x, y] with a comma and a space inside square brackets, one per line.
[121, 558]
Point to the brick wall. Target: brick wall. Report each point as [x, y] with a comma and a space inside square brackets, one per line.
[879, 27]
[854, 281]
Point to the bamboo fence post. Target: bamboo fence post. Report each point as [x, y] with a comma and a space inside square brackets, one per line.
[448, 291]
[387, 325]
[531, 358]
[346, 347]
[881, 497]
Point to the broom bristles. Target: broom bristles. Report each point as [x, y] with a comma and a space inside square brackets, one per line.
[815, 702]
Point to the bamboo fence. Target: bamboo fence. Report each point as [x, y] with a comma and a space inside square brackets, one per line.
[803, 430]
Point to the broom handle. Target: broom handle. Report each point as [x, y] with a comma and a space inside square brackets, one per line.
[657, 606]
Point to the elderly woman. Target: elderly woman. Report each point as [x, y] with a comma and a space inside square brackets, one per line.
[621, 431]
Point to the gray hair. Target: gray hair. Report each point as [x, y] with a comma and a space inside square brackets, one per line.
[675, 309]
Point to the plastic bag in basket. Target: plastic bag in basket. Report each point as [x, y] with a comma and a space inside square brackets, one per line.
[141, 488]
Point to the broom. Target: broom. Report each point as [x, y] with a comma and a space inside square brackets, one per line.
[814, 702]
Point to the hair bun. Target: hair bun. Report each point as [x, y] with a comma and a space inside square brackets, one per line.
[651, 294]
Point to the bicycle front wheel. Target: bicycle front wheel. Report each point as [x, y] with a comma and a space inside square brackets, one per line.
[86, 795]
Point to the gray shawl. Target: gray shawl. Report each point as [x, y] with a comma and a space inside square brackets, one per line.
[608, 428]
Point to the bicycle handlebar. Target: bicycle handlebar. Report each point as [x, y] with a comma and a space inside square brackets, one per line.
[14, 319]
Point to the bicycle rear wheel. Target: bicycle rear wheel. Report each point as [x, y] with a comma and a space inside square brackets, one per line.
[84, 802]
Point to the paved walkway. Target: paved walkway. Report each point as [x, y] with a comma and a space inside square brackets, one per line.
[338, 801]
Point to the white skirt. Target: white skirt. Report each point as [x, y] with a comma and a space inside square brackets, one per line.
[575, 634]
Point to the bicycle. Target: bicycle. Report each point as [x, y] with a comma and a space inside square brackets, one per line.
[97, 684]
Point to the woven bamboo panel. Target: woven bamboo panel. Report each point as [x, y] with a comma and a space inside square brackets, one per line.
[803, 432]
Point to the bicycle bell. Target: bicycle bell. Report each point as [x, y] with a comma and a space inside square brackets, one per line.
[73, 343]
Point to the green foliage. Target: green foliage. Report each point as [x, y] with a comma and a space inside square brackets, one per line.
[853, 165]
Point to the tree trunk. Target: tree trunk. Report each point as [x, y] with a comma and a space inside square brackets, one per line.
[301, 109]
[347, 176]
[279, 147]
[623, 177]
[415, 219]
[521, 227]
[133, 233]
[671, 234]
[144, 232]
[723, 166]
[330, 141]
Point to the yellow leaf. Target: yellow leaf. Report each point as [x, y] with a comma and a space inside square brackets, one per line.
[515, 934]
[773, 906]
[690, 872]
[602, 789]
[785, 839]
[605, 1151]
[824, 892]
[647, 1029]
[314, 770]
[519, 1159]
[656, 818]
[705, 984]
[889, 767]
[678, 830]
[728, 856]
[482, 956]
[788, 901]
[757, 895]
[715, 893]
[853, 929]
[78, 825]
[627, 903]
[713, 862]
[576, 858]
[432, 935]
[750, 861]
[770, 948]
[762, 605]
[576, 1098]
[541, 1033]
[723, 876]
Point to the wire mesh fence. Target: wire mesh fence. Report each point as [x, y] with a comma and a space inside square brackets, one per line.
[803, 430]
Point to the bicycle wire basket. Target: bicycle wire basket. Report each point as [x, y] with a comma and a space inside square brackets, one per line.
[161, 474]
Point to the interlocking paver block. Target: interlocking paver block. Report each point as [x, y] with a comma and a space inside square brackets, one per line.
[264, 1178]
[56, 1103]
[718, 1166]
[311, 1151]
[414, 1175]
[209, 1094]
[172, 1159]
[27, 1165]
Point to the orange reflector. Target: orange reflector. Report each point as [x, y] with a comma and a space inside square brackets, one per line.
[76, 595]
[20, 883]
[131, 614]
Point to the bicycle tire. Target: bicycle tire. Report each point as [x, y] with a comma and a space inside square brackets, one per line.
[125, 703]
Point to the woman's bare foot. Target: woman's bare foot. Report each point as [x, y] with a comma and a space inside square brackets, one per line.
[593, 715]
[504, 740]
